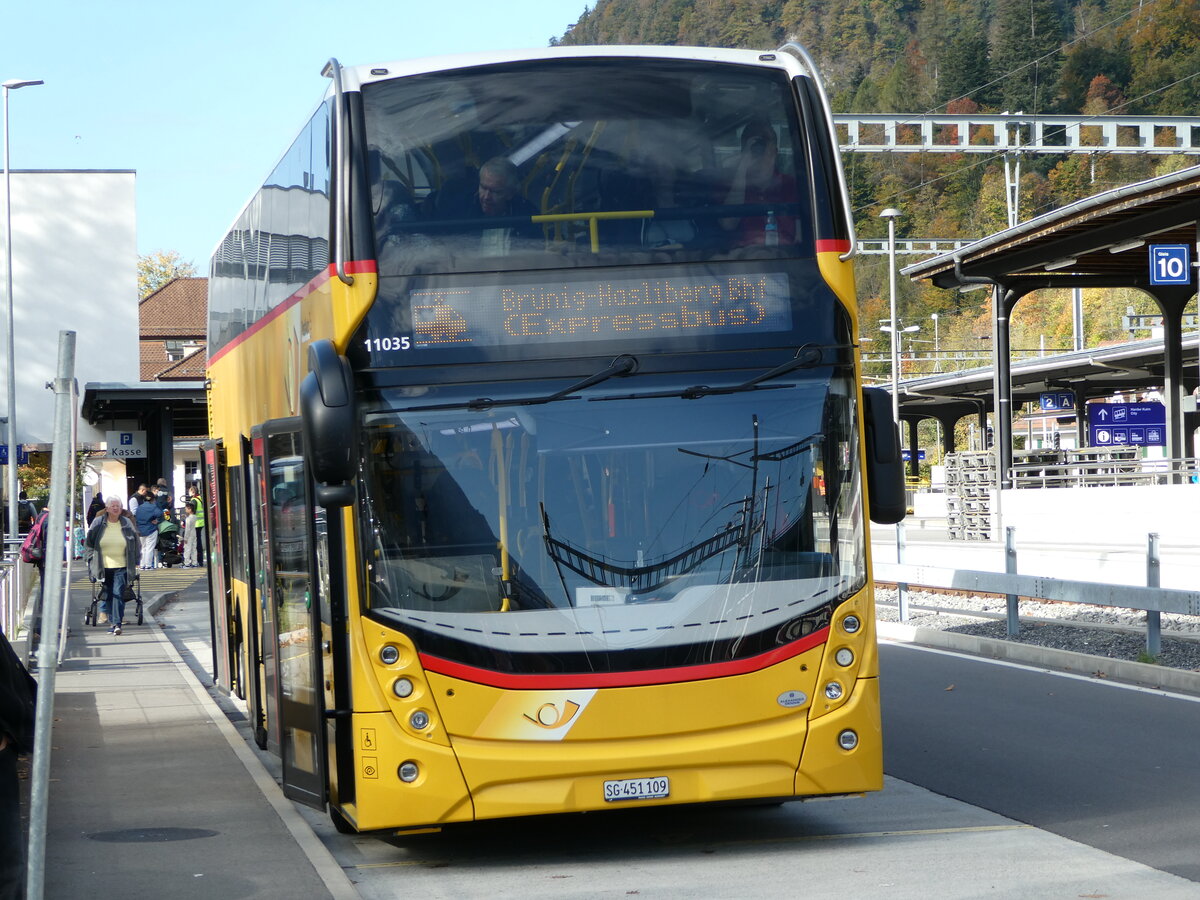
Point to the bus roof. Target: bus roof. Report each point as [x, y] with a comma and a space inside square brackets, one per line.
[354, 77]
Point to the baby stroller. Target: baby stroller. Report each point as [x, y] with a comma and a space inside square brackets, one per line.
[133, 601]
[170, 547]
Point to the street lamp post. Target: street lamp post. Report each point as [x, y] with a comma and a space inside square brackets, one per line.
[13, 521]
[937, 356]
[890, 214]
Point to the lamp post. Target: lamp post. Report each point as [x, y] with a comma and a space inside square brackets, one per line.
[890, 214]
[909, 329]
[13, 523]
[937, 356]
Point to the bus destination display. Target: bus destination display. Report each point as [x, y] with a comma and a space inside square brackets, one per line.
[496, 315]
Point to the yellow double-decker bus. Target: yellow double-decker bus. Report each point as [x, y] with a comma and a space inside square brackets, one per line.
[540, 466]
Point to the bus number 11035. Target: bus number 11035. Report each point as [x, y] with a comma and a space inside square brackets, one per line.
[384, 344]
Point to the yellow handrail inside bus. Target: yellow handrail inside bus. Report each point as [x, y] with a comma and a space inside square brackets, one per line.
[593, 219]
[502, 492]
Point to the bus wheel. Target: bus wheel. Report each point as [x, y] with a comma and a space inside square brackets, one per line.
[340, 822]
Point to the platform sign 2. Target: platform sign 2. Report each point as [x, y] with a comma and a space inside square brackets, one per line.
[1056, 401]
[1170, 264]
[1127, 424]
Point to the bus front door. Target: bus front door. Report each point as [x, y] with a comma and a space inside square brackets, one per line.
[291, 601]
[220, 614]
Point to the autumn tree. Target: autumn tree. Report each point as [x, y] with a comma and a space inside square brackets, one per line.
[157, 268]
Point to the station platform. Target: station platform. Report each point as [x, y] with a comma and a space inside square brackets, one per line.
[153, 792]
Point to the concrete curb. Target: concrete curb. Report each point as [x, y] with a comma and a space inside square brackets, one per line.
[1142, 674]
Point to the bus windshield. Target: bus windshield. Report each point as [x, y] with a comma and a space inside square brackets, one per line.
[613, 532]
[583, 163]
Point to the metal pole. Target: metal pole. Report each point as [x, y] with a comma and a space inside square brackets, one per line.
[47, 657]
[1077, 318]
[13, 523]
[11, 469]
[1153, 616]
[901, 589]
[73, 401]
[1012, 617]
[895, 323]
[937, 347]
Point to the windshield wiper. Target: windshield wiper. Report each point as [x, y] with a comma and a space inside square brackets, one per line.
[808, 356]
[619, 367]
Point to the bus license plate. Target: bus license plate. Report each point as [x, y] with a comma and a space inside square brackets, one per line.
[637, 788]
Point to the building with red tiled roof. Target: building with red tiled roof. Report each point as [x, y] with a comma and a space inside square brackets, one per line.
[173, 329]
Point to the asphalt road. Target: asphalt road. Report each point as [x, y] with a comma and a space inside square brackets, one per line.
[1112, 767]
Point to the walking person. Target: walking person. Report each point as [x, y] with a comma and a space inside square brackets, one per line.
[94, 507]
[112, 554]
[148, 516]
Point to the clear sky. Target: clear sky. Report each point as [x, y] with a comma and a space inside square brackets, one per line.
[201, 99]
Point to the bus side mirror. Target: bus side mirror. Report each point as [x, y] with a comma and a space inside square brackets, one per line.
[885, 465]
[327, 416]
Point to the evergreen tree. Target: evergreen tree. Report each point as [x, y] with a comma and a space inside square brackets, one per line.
[1027, 32]
[964, 66]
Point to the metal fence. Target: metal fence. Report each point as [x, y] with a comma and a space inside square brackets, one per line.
[1097, 472]
[1152, 599]
[14, 590]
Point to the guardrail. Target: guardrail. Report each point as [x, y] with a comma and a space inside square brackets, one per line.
[1104, 472]
[1152, 599]
[13, 575]
[10, 597]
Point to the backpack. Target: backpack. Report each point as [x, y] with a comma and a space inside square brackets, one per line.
[33, 548]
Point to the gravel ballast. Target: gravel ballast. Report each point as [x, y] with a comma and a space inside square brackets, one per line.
[1101, 631]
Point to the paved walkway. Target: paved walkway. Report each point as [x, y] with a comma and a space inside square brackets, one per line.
[153, 791]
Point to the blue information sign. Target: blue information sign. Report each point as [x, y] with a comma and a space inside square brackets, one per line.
[1135, 424]
[1055, 401]
[22, 455]
[907, 456]
[1170, 264]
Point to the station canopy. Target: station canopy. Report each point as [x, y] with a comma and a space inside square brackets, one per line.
[1104, 241]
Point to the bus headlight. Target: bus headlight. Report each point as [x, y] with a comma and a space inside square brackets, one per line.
[844, 656]
[402, 687]
[389, 655]
[851, 624]
[833, 690]
[848, 740]
[408, 772]
[419, 720]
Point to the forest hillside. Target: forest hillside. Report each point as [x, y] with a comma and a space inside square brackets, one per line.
[1095, 57]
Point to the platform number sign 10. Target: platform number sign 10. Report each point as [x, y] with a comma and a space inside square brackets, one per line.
[1170, 264]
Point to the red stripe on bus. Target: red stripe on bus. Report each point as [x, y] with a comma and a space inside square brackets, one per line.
[833, 245]
[356, 267]
[581, 680]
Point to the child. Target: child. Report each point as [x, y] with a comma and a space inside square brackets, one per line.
[189, 538]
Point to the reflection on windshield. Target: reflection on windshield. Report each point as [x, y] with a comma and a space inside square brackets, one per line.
[607, 525]
[567, 163]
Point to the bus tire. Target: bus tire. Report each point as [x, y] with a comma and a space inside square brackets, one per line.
[340, 822]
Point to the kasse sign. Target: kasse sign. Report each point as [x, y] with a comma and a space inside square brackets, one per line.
[126, 444]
